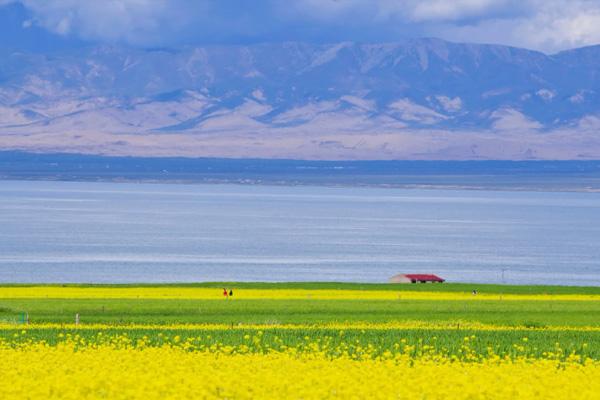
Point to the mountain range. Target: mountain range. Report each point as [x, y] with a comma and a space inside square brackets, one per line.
[416, 99]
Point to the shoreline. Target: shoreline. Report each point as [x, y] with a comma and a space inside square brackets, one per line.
[490, 175]
[250, 182]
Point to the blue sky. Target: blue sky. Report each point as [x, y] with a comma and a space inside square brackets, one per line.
[545, 25]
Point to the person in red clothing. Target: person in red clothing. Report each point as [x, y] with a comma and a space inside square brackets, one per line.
[225, 292]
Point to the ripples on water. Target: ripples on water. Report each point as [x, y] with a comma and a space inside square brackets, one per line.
[121, 232]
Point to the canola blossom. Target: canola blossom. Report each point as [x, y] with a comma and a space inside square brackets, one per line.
[405, 359]
[117, 368]
[201, 293]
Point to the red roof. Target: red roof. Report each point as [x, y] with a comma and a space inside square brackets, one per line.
[424, 277]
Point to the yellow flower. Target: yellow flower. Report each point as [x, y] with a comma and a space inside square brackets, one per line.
[115, 369]
[73, 292]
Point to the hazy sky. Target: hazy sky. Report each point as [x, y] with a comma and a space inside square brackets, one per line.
[546, 25]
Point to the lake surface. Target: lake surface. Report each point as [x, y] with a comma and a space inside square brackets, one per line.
[123, 232]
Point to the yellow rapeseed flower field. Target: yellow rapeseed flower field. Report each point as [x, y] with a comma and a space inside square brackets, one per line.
[118, 369]
[165, 292]
[257, 358]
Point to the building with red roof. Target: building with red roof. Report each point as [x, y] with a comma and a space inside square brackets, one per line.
[414, 278]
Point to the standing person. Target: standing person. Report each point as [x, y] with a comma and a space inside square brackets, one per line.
[230, 292]
[225, 292]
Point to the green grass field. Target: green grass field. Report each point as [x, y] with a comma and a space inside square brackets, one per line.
[281, 311]
[528, 317]
[537, 313]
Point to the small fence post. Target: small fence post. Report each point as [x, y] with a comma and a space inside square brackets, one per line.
[26, 318]
[77, 319]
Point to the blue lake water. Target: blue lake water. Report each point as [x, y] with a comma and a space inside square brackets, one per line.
[123, 232]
